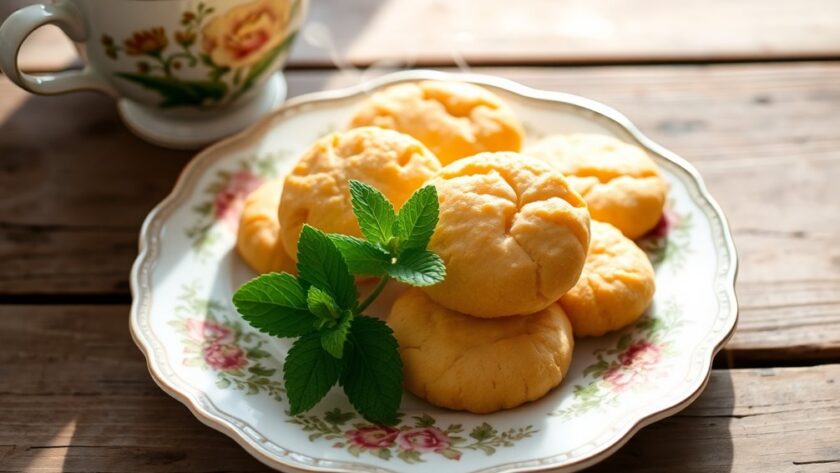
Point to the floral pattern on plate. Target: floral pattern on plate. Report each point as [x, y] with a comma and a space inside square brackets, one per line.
[633, 363]
[225, 198]
[410, 442]
[210, 341]
[670, 239]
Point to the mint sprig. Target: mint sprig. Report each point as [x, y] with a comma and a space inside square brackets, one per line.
[396, 244]
[336, 343]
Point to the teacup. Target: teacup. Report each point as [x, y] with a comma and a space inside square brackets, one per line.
[185, 72]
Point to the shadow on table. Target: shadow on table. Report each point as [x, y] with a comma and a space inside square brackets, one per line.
[696, 440]
[75, 186]
[75, 396]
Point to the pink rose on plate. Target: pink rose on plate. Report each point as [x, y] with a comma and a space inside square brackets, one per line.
[618, 378]
[423, 439]
[668, 221]
[207, 331]
[373, 436]
[640, 355]
[225, 357]
[229, 202]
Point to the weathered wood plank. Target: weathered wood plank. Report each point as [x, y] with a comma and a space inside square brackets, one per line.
[73, 192]
[75, 396]
[491, 32]
[74, 185]
[544, 31]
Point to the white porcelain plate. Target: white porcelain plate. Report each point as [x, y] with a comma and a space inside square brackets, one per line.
[230, 376]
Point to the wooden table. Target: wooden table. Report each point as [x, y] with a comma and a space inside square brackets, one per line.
[748, 91]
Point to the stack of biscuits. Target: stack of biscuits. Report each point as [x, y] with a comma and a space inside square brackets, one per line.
[537, 243]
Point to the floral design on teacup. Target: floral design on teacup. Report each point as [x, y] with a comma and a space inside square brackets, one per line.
[232, 50]
[245, 33]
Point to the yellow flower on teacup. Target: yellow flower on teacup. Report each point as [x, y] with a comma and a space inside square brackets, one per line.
[245, 33]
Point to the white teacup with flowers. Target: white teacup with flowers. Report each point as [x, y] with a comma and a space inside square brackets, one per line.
[185, 72]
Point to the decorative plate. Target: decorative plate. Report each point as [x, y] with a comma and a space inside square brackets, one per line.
[230, 376]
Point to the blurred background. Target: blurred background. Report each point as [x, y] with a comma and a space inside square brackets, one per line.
[489, 32]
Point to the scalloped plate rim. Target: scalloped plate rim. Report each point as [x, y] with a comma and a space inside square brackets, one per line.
[190, 174]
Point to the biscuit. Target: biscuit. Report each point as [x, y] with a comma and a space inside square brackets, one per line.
[616, 286]
[479, 365]
[620, 182]
[512, 233]
[317, 190]
[453, 119]
[258, 238]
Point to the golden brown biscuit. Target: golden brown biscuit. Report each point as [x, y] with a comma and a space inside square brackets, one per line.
[258, 238]
[619, 181]
[616, 286]
[317, 190]
[454, 119]
[479, 365]
[512, 233]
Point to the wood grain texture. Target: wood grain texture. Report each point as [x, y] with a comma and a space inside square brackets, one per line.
[425, 32]
[73, 192]
[75, 397]
[553, 32]
[74, 186]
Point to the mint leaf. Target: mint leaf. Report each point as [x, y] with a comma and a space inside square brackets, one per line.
[321, 264]
[418, 218]
[275, 304]
[337, 343]
[322, 306]
[309, 373]
[418, 268]
[333, 338]
[373, 377]
[362, 257]
[373, 211]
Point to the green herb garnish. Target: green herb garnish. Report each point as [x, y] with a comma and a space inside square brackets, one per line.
[336, 343]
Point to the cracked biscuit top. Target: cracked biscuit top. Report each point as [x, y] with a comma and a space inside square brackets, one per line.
[453, 119]
[317, 189]
[512, 233]
[619, 181]
[479, 365]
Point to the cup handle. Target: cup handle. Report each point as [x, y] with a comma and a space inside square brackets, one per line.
[21, 24]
